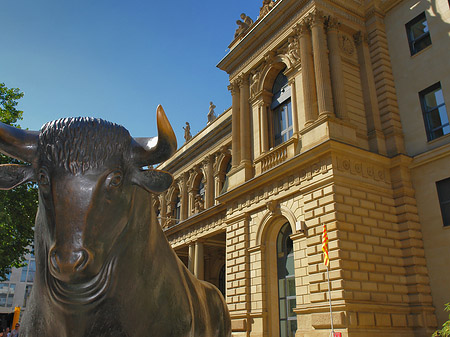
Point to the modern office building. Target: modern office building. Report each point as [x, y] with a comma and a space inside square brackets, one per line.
[15, 289]
[338, 117]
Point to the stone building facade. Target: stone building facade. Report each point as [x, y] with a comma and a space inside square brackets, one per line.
[330, 124]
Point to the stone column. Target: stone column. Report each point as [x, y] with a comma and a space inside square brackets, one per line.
[294, 112]
[245, 131]
[264, 127]
[308, 80]
[191, 196]
[337, 77]
[191, 258]
[199, 264]
[184, 196]
[374, 129]
[235, 124]
[209, 193]
[321, 65]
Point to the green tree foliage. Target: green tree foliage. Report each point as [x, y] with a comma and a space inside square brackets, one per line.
[445, 331]
[17, 206]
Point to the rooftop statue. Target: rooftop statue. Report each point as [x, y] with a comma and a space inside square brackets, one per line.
[102, 267]
[266, 7]
[243, 25]
[187, 132]
[211, 114]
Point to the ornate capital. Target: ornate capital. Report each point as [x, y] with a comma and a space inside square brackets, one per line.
[234, 87]
[316, 17]
[243, 80]
[303, 27]
[333, 23]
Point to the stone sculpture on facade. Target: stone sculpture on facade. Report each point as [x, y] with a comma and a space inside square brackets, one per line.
[266, 7]
[102, 267]
[211, 114]
[187, 132]
[243, 25]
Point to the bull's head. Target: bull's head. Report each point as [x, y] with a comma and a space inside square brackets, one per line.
[85, 169]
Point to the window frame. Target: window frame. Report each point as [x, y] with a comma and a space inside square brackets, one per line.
[426, 112]
[281, 107]
[413, 41]
[444, 200]
[284, 253]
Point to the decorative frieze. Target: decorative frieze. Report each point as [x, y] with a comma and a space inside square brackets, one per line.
[363, 169]
[191, 233]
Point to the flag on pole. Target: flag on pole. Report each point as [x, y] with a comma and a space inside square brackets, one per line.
[326, 258]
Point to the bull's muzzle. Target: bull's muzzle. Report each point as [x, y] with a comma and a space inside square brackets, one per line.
[68, 266]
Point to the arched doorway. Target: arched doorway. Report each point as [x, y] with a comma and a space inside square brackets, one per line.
[286, 282]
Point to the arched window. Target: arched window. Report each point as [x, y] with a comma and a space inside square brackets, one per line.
[224, 186]
[222, 280]
[281, 110]
[199, 194]
[176, 210]
[286, 282]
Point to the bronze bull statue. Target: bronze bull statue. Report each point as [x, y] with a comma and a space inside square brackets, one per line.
[102, 267]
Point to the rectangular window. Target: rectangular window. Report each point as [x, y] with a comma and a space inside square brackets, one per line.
[418, 33]
[443, 190]
[3, 293]
[31, 271]
[434, 111]
[7, 294]
[23, 277]
[12, 288]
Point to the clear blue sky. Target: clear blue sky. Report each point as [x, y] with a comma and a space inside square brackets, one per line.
[118, 60]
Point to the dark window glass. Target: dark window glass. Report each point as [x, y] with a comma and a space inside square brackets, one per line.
[31, 271]
[443, 189]
[434, 112]
[418, 33]
[23, 277]
[12, 288]
[222, 280]
[201, 189]
[225, 183]
[3, 293]
[177, 210]
[286, 282]
[281, 110]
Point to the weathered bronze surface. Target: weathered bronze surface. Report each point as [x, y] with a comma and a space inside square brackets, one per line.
[102, 267]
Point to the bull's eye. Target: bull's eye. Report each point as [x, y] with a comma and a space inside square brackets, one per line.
[114, 179]
[43, 179]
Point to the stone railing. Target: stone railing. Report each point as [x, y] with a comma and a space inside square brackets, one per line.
[276, 155]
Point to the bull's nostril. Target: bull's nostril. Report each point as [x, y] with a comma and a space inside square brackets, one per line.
[83, 258]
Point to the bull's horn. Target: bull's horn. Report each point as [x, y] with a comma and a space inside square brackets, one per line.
[18, 143]
[156, 150]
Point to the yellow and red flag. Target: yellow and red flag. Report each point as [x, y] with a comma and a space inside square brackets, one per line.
[326, 258]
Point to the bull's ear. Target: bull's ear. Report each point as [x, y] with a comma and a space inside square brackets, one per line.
[152, 180]
[12, 175]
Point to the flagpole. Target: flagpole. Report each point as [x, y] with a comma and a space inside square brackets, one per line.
[326, 261]
[329, 297]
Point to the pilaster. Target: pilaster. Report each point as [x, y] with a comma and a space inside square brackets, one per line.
[235, 123]
[337, 76]
[309, 82]
[374, 130]
[321, 65]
